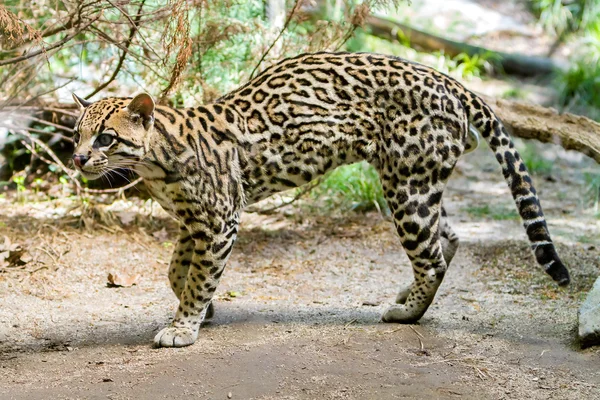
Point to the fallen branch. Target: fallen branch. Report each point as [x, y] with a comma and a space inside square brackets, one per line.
[528, 121]
[511, 63]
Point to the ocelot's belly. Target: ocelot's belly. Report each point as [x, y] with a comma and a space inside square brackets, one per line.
[282, 175]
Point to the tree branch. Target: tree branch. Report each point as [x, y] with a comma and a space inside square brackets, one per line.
[70, 173]
[115, 190]
[124, 53]
[287, 22]
[45, 49]
[304, 190]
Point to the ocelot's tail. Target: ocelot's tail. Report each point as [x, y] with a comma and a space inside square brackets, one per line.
[485, 121]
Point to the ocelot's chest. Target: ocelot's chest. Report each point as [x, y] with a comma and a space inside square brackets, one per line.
[164, 194]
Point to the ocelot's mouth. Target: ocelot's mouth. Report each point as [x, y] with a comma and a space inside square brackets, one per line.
[89, 175]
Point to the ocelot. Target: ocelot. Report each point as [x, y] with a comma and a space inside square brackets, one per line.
[292, 123]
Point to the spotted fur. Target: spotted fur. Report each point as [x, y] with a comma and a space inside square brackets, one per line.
[295, 121]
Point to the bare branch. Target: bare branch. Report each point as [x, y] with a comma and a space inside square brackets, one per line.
[69, 172]
[17, 128]
[115, 190]
[297, 4]
[132, 32]
[36, 109]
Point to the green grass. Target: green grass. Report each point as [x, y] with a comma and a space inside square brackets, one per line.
[579, 87]
[497, 213]
[352, 187]
[534, 160]
[514, 93]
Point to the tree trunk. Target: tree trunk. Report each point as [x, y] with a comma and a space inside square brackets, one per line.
[511, 63]
[275, 13]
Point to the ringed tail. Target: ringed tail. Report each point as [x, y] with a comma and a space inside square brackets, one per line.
[521, 186]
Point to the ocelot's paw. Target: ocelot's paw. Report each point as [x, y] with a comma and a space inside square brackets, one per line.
[400, 314]
[175, 337]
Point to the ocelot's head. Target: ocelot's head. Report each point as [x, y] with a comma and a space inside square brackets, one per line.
[110, 133]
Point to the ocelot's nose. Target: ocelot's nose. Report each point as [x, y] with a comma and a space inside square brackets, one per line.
[80, 160]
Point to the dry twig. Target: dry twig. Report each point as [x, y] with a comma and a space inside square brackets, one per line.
[305, 189]
[297, 4]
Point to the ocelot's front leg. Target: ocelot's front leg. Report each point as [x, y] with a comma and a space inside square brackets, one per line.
[210, 253]
[180, 265]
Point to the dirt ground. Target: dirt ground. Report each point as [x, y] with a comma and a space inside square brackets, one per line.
[298, 309]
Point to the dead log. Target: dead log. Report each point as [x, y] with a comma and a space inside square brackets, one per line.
[528, 121]
[510, 63]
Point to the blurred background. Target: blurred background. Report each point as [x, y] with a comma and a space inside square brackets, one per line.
[190, 52]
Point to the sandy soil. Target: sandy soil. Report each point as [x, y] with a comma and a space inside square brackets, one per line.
[298, 309]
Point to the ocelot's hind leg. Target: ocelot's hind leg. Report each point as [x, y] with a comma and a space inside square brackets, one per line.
[449, 241]
[414, 194]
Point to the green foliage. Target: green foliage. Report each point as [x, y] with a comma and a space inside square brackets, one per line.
[19, 180]
[579, 86]
[565, 16]
[514, 93]
[352, 187]
[472, 66]
[592, 190]
[462, 66]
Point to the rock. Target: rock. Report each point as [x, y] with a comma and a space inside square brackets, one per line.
[589, 318]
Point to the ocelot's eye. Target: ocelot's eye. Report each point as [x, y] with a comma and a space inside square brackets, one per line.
[104, 140]
[76, 137]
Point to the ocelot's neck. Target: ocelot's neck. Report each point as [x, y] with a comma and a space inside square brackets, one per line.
[192, 141]
[158, 159]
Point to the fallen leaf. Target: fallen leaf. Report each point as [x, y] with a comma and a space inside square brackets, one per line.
[122, 280]
[233, 293]
[12, 254]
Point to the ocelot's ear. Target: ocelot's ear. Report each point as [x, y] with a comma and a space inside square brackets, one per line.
[142, 109]
[80, 102]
